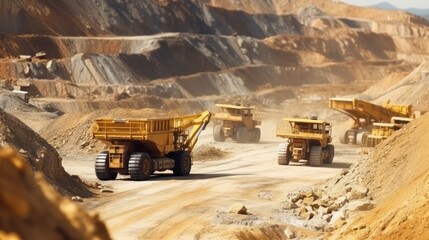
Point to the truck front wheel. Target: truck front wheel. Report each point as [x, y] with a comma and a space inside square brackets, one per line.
[315, 156]
[218, 133]
[182, 162]
[242, 135]
[284, 154]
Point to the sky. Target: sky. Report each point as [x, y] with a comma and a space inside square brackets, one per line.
[397, 3]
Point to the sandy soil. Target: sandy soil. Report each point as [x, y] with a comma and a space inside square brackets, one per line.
[288, 55]
[168, 207]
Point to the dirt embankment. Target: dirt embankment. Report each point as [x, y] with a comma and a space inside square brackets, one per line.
[31, 209]
[411, 89]
[396, 176]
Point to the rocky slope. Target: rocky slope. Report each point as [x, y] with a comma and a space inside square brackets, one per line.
[39, 154]
[82, 18]
[247, 17]
[200, 50]
[410, 89]
[396, 176]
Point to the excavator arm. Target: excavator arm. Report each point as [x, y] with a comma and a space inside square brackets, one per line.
[198, 123]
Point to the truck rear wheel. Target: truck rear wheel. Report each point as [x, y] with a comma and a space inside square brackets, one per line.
[182, 162]
[256, 135]
[352, 135]
[242, 134]
[315, 156]
[345, 139]
[331, 152]
[139, 166]
[284, 155]
[102, 170]
[218, 133]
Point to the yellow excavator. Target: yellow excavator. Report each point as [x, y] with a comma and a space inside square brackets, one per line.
[364, 114]
[139, 147]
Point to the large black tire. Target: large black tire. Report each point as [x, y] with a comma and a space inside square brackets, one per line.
[102, 170]
[315, 156]
[218, 133]
[139, 166]
[256, 135]
[354, 134]
[345, 139]
[331, 152]
[284, 154]
[182, 162]
[242, 135]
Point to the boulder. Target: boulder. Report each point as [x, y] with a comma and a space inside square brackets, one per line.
[357, 192]
[360, 205]
[289, 233]
[238, 208]
[339, 215]
[51, 66]
[323, 210]
[84, 144]
[308, 200]
[341, 201]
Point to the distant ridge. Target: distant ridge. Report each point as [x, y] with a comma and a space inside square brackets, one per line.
[385, 5]
[417, 11]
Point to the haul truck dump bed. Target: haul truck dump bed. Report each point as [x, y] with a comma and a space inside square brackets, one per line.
[364, 114]
[139, 147]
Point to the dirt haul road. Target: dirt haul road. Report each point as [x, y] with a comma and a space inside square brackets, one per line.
[168, 207]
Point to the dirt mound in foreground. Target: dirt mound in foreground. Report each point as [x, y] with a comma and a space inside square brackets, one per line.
[396, 174]
[31, 209]
[39, 154]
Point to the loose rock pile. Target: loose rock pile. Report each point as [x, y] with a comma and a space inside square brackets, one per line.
[328, 212]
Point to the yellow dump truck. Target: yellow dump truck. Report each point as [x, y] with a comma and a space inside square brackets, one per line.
[364, 114]
[236, 122]
[382, 131]
[139, 147]
[308, 139]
